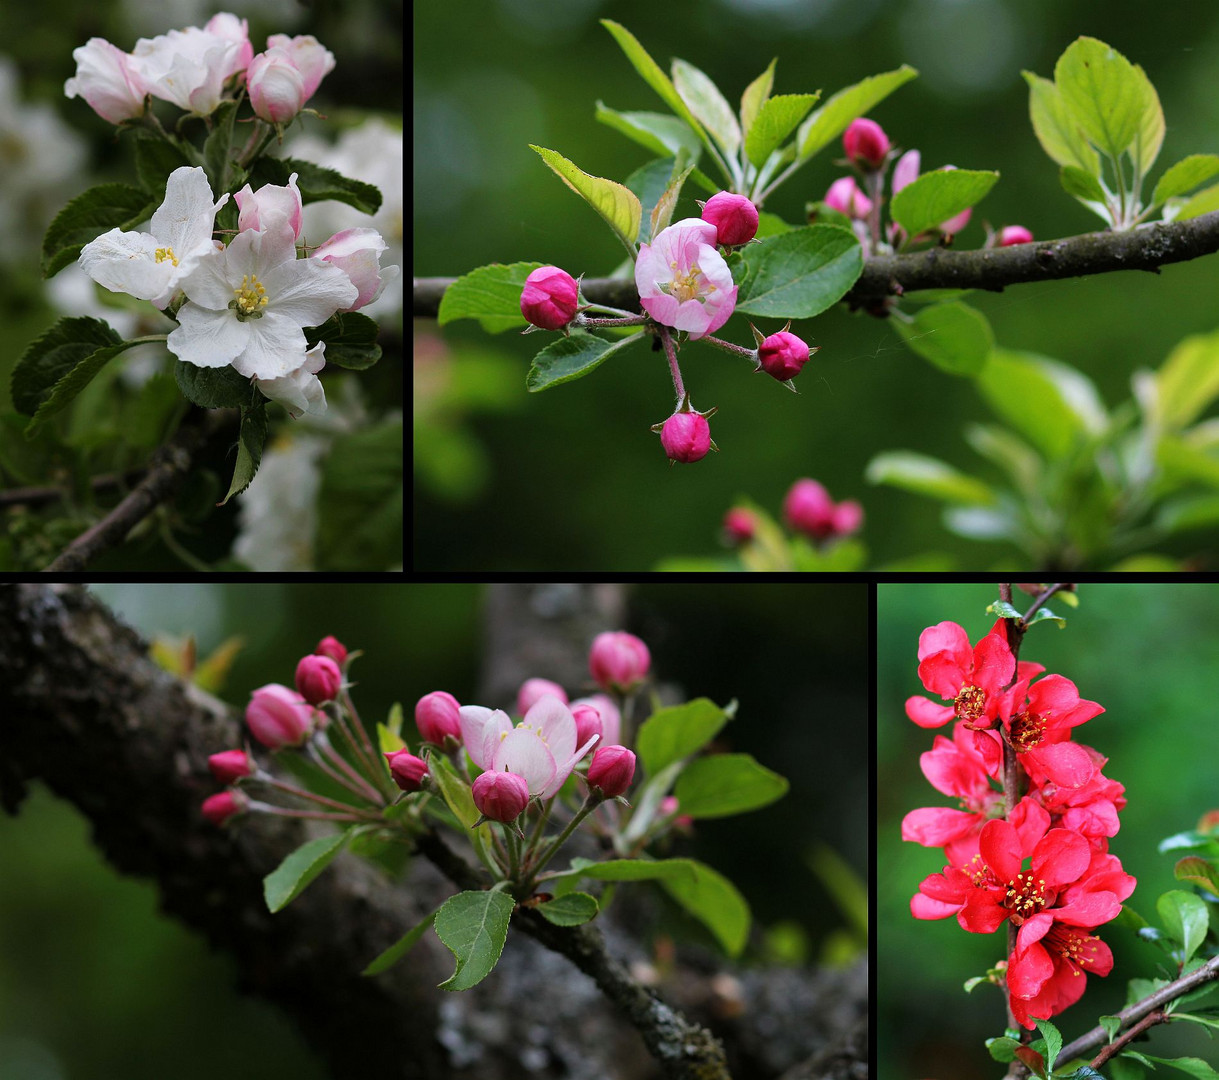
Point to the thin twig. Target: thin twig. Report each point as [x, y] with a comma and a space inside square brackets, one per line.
[40, 496]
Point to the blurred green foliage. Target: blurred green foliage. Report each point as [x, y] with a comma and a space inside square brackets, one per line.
[1144, 651]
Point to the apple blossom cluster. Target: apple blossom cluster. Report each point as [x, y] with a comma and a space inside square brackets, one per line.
[1042, 864]
[807, 508]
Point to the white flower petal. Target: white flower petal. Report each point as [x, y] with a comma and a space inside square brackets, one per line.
[207, 338]
[523, 752]
[308, 292]
[126, 262]
[274, 347]
[551, 719]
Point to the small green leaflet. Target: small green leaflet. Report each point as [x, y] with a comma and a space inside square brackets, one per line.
[572, 357]
[678, 731]
[399, 948]
[473, 926]
[297, 871]
[617, 204]
[490, 294]
[573, 909]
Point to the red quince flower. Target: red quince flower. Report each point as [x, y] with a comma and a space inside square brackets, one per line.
[1090, 809]
[1048, 975]
[1039, 730]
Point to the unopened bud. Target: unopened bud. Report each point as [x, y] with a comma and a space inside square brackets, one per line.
[588, 723]
[618, 661]
[845, 197]
[230, 765]
[550, 298]
[739, 525]
[782, 355]
[437, 716]
[318, 679]
[1013, 234]
[219, 808]
[500, 796]
[735, 218]
[532, 689]
[866, 143]
[279, 717]
[611, 770]
[407, 770]
[334, 648]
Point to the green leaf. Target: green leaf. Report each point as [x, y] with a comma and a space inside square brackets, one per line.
[935, 197]
[1194, 1018]
[662, 211]
[1190, 840]
[725, 784]
[389, 741]
[1188, 381]
[214, 388]
[351, 339]
[1187, 173]
[218, 160]
[955, 337]
[85, 218]
[456, 794]
[651, 72]
[1052, 405]
[771, 225]
[1198, 871]
[569, 910]
[568, 358]
[649, 182]
[1185, 918]
[1002, 1049]
[1003, 609]
[73, 382]
[360, 501]
[677, 732]
[833, 118]
[1105, 94]
[1056, 128]
[316, 183]
[662, 134]
[755, 97]
[1084, 186]
[49, 358]
[776, 120]
[473, 927]
[285, 883]
[1112, 1025]
[1053, 1042]
[1045, 614]
[617, 205]
[1192, 1066]
[799, 274]
[1202, 203]
[250, 440]
[393, 722]
[490, 294]
[399, 948]
[706, 102]
[155, 159]
[1188, 512]
[927, 476]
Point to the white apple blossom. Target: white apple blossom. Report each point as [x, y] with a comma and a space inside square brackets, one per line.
[152, 265]
[300, 391]
[105, 77]
[228, 26]
[312, 60]
[357, 252]
[249, 303]
[187, 67]
[257, 207]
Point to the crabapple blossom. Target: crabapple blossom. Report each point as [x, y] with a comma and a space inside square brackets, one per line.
[865, 143]
[334, 648]
[740, 525]
[588, 722]
[500, 796]
[735, 218]
[686, 436]
[683, 281]
[187, 67]
[153, 265]
[106, 78]
[437, 717]
[224, 805]
[256, 208]
[550, 298]
[611, 718]
[782, 355]
[318, 679]
[232, 28]
[230, 765]
[611, 770]
[618, 660]
[357, 252]
[279, 717]
[532, 689]
[300, 391]
[312, 60]
[407, 770]
[845, 197]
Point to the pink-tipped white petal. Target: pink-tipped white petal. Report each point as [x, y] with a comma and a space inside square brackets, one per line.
[481, 729]
[523, 752]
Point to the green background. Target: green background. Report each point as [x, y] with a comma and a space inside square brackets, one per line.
[572, 477]
[94, 982]
[1147, 653]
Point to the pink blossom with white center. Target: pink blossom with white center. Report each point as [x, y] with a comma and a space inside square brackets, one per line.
[256, 208]
[683, 281]
[187, 67]
[106, 79]
[232, 28]
[312, 60]
[357, 252]
[541, 748]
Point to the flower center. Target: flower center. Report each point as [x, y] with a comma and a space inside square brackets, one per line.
[1025, 897]
[251, 298]
[1026, 731]
[689, 286]
[166, 254]
[1076, 947]
[970, 703]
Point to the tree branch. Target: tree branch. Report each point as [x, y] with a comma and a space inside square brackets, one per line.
[168, 469]
[993, 269]
[40, 496]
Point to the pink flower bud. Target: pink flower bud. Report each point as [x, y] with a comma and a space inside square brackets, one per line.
[668, 806]
[312, 60]
[437, 716]
[588, 723]
[318, 679]
[500, 796]
[1014, 234]
[334, 648]
[845, 197]
[276, 87]
[257, 209]
[219, 808]
[739, 525]
[279, 717]
[848, 516]
[357, 252]
[618, 661]
[407, 770]
[866, 143]
[906, 170]
[550, 298]
[611, 718]
[232, 28]
[686, 436]
[108, 80]
[230, 765]
[532, 689]
[611, 770]
[735, 218]
[782, 355]
[809, 508]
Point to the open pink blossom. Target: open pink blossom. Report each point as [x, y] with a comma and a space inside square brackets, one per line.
[683, 281]
[541, 748]
[107, 80]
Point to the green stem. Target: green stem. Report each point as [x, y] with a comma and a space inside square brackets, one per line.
[593, 800]
[514, 851]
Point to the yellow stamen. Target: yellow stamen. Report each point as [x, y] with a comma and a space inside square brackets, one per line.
[251, 298]
[165, 253]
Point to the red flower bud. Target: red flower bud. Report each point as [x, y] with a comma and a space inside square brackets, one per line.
[334, 648]
[612, 770]
[866, 143]
[739, 525]
[588, 723]
[532, 689]
[279, 717]
[219, 808]
[809, 508]
[618, 661]
[407, 770]
[318, 679]
[735, 218]
[230, 765]
[848, 516]
[845, 197]
[437, 715]
[550, 298]
[500, 796]
[686, 436]
[1014, 234]
[782, 355]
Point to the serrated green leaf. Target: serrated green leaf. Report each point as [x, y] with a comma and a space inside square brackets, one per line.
[251, 438]
[573, 357]
[1198, 871]
[218, 147]
[50, 357]
[649, 182]
[155, 159]
[1185, 917]
[214, 388]
[775, 121]
[706, 102]
[1112, 1025]
[1003, 609]
[316, 183]
[1191, 1066]
[1105, 94]
[1053, 1042]
[955, 337]
[572, 909]
[799, 274]
[360, 500]
[652, 73]
[285, 883]
[726, 784]
[1002, 1049]
[473, 927]
[74, 381]
[1056, 128]
[85, 218]
[662, 212]
[927, 476]
[1044, 614]
[936, 197]
[1084, 186]
[399, 948]
[491, 294]
[390, 742]
[755, 96]
[1187, 173]
[617, 204]
[677, 732]
[850, 103]
[351, 340]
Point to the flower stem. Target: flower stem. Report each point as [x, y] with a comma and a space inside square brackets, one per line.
[728, 346]
[593, 800]
[628, 320]
[301, 793]
[337, 759]
[674, 370]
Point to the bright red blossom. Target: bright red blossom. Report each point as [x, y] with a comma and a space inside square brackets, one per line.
[1039, 729]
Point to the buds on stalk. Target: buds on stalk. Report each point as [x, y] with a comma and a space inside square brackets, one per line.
[500, 796]
[230, 765]
[611, 770]
[437, 716]
[739, 525]
[532, 689]
[334, 648]
[279, 717]
[866, 144]
[686, 435]
[588, 723]
[809, 509]
[318, 679]
[782, 355]
[735, 218]
[219, 808]
[550, 298]
[407, 770]
[618, 661]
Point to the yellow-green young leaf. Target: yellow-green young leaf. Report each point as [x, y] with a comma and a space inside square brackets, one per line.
[389, 741]
[290, 878]
[473, 926]
[927, 476]
[708, 105]
[651, 72]
[832, 119]
[1150, 136]
[755, 95]
[1187, 173]
[456, 794]
[937, 196]
[394, 722]
[662, 134]
[662, 212]
[614, 202]
[1086, 188]
[1105, 94]
[776, 120]
[1188, 381]
[1056, 128]
[1202, 203]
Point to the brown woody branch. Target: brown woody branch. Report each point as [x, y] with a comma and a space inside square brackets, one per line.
[40, 496]
[1146, 248]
